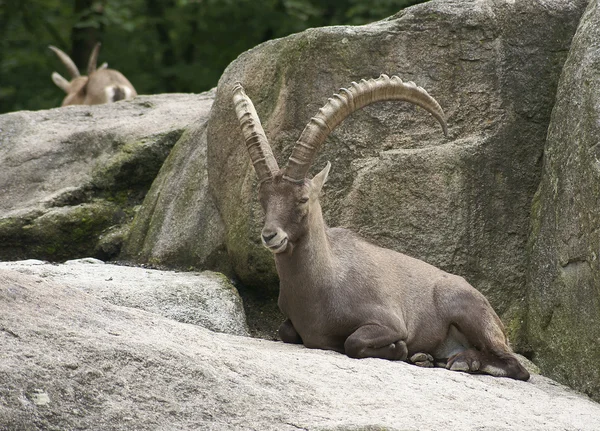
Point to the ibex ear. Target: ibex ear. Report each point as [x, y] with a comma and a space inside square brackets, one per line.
[60, 82]
[321, 178]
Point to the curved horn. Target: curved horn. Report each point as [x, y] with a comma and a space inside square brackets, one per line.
[93, 59]
[257, 144]
[346, 102]
[73, 71]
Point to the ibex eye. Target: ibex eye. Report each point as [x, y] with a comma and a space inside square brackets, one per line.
[303, 200]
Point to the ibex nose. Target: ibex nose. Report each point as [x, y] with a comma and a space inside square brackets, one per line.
[268, 236]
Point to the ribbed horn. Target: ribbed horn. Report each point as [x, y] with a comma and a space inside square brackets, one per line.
[93, 59]
[66, 60]
[257, 144]
[346, 102]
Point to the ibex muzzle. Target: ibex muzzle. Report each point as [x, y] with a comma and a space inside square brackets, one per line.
[342, 293]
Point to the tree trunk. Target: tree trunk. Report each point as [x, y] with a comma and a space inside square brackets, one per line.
[156, 10]
[84, 37]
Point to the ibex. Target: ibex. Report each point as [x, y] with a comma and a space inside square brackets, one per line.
[342, 293]
[101, 85]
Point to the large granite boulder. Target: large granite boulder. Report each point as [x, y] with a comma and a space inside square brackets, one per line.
[70, 360]
[460, 203]
[72, 177]
[564, 274]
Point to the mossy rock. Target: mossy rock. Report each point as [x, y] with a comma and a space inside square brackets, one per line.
[178, 225]
[564, 275]
[73, 177]
[60, 233]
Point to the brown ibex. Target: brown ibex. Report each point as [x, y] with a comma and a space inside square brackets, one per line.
[338, 291]
[101, 85]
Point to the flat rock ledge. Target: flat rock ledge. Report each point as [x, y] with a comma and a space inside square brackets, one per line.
[203, 298]
[72, 361]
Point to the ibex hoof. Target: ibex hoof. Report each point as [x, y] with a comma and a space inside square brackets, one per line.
[397, 351]
[422, 360]
[467, 361]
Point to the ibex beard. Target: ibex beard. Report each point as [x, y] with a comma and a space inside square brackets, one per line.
[340, 292]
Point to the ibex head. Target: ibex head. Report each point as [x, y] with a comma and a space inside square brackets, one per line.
[289, 199]
[101, 85]
[290, 208]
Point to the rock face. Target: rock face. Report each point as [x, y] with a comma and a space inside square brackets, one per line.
[460, 203]
[178, 225]
[71, 177]
[207, 299]
[564, 277]
[70, 360]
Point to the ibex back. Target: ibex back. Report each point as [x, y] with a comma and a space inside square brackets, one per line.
[101, 85]
[338, 291]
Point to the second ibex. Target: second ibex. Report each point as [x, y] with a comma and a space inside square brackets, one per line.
[338, 291]
[101, 85]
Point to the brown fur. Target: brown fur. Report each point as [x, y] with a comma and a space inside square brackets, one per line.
[102, 85]
[340, 292]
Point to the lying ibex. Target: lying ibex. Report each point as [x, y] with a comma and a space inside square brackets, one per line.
[342, 293]
[102, 85]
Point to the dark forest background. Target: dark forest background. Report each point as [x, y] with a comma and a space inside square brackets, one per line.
[162, 46]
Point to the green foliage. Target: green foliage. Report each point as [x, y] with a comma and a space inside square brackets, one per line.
[160, 45]
[26, 28]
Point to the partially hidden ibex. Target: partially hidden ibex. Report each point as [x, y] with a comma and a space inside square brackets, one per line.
[101, 85]
[338, 291]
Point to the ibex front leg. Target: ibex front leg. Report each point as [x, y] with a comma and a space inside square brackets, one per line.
[288, 333]
[376, 341]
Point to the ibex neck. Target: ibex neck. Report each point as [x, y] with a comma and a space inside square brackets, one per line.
[311, 258]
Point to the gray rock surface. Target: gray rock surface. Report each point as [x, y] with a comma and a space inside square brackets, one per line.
[207, 299]
[178, 225]
[564, 275]
[71, 177]
[461, 203]
[70, 360]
